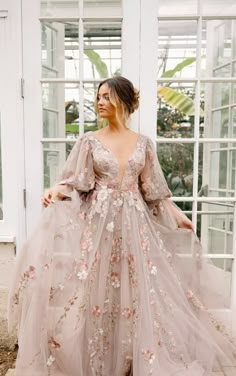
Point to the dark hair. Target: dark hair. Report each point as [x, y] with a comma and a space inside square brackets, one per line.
[123, 90]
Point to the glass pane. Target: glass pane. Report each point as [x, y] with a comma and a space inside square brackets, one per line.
[60, 49]
[54, 157]
[233, 130]
[60, 8]
[233, 172]
[177, 164]
[217, 48]
[219, 7]
[234, 92]
[103, 8]
[175, 110]
[217, 169]
[216, 224]
[224, 71]
[220, 94]
[102, 50]
[177, 43]
[234, 69]
[234, 38]
[90, 116]
[60, 109]
[50, 123]
[177, 7]
[217, 116]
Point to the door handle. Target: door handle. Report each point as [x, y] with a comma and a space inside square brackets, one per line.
[3, 13]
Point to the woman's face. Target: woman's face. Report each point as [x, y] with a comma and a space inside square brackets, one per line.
[106, 110]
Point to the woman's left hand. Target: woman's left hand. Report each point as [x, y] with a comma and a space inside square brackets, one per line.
[181, 219]
[184, 222]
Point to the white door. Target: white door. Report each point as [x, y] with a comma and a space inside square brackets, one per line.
[219, 162]
[12, 214]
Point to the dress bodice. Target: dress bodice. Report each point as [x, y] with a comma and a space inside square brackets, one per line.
[109, 171]
[91, 165]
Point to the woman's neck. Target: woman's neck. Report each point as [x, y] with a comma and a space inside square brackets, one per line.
[115, 127]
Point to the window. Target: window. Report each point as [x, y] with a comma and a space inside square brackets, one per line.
[196, 141]
[76, 55]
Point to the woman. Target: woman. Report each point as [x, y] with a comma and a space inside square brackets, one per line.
[101, 287]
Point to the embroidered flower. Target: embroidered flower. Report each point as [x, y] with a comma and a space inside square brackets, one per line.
[61, 287]
[152, 268]
[144, 245]
[50, 360]
[115, 310]
[84, 244]
[115, 280]
[97, 255]
[148, 355]
[115, 257]
[118, 202]
[30, 273]
[189, 294]
[54, 344]
[82, 270]
[96, 311]
[102, 195]
[110, 227]
[131, 259]
[126, 313]
[131, 200]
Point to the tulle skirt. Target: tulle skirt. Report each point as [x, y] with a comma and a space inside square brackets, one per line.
[104, 287]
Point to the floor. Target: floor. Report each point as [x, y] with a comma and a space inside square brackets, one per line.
[228, 371]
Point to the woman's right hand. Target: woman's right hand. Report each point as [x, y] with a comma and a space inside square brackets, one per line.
[49, 196]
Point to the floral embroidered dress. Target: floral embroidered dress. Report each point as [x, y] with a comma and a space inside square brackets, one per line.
[108, 285]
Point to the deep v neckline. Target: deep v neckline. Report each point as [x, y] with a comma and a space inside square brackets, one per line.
[116, 159]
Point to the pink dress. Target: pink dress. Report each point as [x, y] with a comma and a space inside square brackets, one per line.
[108, 285]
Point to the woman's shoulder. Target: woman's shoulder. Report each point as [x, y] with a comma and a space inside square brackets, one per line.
[147, 139]
[85, 136]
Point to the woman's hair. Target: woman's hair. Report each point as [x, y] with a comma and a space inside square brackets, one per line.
[122, 92]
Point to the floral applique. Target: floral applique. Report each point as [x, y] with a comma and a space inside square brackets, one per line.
[82, 270]
[148, 355]
[115, 280]
[50, 360]
[28, 275]
[152, 268]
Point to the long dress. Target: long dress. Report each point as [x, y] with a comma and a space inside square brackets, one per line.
[108, 285]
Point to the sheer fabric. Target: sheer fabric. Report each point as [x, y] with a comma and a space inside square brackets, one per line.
[109, 285]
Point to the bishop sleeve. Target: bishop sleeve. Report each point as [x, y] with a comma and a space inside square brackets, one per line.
[78, 172]
[152, 183]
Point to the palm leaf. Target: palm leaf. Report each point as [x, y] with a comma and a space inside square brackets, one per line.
[180, 101]
[179, 67]
[96, 60]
